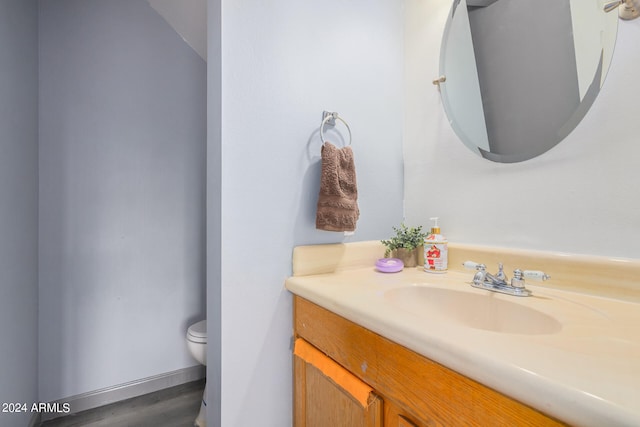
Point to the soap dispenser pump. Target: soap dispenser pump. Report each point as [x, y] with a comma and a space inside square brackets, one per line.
[435, 250]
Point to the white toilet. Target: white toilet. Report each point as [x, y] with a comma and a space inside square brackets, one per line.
[197, 344]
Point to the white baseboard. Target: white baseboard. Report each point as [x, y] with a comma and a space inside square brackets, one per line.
[117, 393]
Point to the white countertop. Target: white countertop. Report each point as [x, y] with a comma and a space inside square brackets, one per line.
[587, 373]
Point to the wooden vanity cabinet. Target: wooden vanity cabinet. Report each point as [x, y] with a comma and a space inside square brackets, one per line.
[414, 391]
[326, 394]
[395, 417]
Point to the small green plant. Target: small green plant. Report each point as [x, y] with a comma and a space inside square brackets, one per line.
[406, 237]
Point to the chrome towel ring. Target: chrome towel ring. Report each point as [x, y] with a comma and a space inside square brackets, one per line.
[329, 118]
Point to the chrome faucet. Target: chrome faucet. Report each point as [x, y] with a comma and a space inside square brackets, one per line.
[499, 282]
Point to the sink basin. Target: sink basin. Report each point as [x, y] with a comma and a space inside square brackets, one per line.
[488, 311]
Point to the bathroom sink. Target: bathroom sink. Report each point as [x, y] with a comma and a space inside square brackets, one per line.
[486, 310]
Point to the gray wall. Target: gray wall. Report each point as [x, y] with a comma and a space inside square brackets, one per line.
[122, 201]
[281, 64]
[18, 205]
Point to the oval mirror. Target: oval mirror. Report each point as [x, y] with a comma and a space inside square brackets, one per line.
[521, 74]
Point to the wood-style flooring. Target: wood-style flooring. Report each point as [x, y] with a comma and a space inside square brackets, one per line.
[173, 407]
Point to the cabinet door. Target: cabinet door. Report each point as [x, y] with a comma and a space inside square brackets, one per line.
[403, 422]
[326, 394]
[395, 417]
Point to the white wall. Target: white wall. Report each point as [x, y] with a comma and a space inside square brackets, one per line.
[122, 193]
[214, 212]
[579, 197]
[283, 63]
[18, 207]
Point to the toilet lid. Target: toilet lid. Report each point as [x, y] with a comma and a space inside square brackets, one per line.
[198, 331]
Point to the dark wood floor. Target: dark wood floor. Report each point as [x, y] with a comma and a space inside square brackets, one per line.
[173, 407]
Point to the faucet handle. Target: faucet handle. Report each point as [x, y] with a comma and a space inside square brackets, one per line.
[536, 274]
[517, 281]
[474, 266]
[500, 274]
[518, 277]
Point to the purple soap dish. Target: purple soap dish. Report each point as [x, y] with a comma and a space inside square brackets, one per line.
[389, 265]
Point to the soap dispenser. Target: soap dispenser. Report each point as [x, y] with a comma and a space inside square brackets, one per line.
[435, 250]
